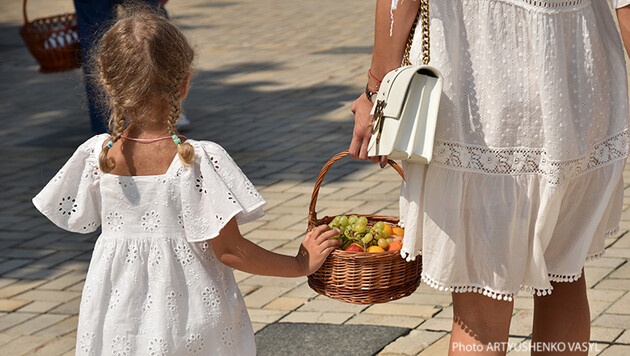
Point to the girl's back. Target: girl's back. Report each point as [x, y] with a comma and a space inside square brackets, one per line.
[152, 274]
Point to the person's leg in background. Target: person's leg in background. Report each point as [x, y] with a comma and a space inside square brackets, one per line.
[93, 19]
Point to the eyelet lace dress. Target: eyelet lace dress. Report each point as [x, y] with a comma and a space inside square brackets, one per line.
[154, 286]
[526, 178]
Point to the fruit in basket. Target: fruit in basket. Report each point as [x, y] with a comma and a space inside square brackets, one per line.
[354, 248]
[375, 249]
[395, 246]
[398, 231]
[357, 236]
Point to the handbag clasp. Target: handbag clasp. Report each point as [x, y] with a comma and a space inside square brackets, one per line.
[378, 119]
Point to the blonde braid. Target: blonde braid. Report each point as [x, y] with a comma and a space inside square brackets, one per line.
[185, 150]
[117, 124]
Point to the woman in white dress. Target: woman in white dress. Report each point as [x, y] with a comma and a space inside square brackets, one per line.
[526, 179]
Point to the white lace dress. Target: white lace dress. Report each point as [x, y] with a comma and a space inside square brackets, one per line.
[532, 138]
[154, 286]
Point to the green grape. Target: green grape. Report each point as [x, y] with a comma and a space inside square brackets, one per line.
[383, 234]
[343, 220]
[382, 243]
[379, 225]
[348, 233]
[363, 221]
[359, 228]
[353, 219]
[368, 237]
[336, 220]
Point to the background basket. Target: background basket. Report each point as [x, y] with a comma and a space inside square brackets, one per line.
[53, 41]
[362, 277]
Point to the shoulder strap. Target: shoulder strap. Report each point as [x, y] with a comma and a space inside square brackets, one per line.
[423, 13]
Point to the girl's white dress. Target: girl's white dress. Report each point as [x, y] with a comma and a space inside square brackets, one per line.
[154, 286]
[526, 179]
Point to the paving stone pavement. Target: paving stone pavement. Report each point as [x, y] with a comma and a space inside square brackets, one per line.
[273, 85]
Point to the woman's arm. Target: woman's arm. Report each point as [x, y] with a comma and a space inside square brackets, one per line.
[387, 55]
[237, 252]
[623, 15]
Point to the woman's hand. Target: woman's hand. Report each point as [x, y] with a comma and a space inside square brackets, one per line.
[317, 245]
[363, 130]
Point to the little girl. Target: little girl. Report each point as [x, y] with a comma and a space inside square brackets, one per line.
[160, 282]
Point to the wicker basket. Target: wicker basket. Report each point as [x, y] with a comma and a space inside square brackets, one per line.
[362, 277]
[53, 41]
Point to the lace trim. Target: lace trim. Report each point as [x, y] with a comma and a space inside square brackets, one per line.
[503, 295]
[516, 161]
[463, 288]
[549, 5]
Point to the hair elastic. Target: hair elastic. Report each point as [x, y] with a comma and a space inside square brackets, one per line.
[109, 144]
[176, 139]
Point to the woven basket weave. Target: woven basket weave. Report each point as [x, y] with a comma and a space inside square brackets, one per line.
[53, 41]
[362, 277]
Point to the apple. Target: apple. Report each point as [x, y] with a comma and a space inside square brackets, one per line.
[355, 248]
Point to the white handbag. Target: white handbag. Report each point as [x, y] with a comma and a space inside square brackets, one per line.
[406, 107]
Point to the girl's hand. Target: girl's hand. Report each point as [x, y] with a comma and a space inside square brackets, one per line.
[317, 245]
[363, 131]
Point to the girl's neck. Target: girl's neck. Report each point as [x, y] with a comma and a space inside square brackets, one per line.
[146, 131]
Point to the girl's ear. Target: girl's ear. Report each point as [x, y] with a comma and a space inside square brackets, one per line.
[183, 91]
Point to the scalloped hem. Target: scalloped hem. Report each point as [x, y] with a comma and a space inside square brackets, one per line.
[506, 295]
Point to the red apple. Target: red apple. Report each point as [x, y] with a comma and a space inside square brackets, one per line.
[355, 248]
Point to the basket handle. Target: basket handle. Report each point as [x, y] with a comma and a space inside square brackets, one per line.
[312, 214]
[24, 12]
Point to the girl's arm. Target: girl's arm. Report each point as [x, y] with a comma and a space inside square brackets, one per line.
[237, 252]
[623, 15]
[387, 55]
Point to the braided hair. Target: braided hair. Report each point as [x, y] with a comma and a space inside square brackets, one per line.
[142, 58]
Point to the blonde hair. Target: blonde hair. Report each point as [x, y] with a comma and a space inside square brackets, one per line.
[143, 61]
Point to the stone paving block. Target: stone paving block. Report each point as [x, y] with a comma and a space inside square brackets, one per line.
[35, 324]
[403, 321]
[612, 321]
[12, 319]
[316, 317]
[595, 275]
[622, 272]
[55, 259]
[41, 241]
[69, 308]
[12, 264]
[76, 287]
[24, 344]
[63, 282]
[597, 308]
[53, 296]
[5, 338]
[39, 307]
[604, 295]
[247, 289]
[610, 262]
[422, 311]
[522, 323]
[618, 252]
[286, 303]
[604, 334]
[241, 276]
[437, 324]
[36, 273]
[263, 296]
[614, 284]
[9, 305]
[6, 281]
[438, 348]
[412, 343]
[302, 291]
[56, 346]
[266, 316]
[61, 328]
[321, 304]
[621, 306]
[25, 253]
[616, 350]
[74, 265]
[19, 287]
[275, 281]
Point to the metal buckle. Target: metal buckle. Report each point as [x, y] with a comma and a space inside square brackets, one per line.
[378, 119]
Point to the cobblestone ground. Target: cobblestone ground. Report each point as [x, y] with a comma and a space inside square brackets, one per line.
[273, 86]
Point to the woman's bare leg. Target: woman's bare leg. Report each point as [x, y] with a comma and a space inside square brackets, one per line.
[481, 325]
[563, 317]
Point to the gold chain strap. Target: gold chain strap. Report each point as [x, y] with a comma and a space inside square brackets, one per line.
[423, 12]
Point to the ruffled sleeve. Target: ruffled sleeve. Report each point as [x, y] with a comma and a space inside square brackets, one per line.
[620, 3]
[72, 200]
[214, 190]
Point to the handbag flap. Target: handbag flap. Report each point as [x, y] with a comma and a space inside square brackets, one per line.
[395, 87]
